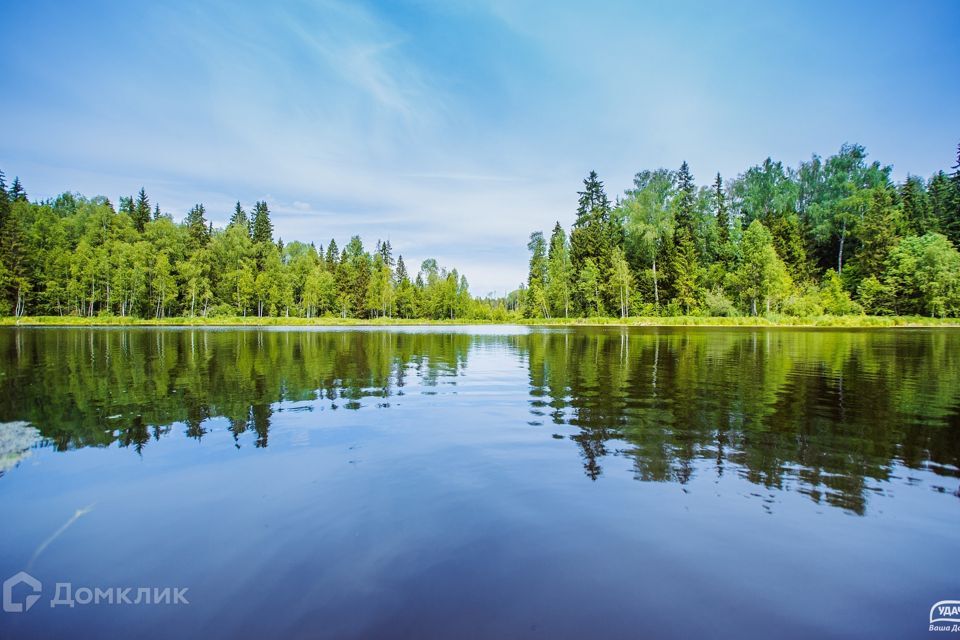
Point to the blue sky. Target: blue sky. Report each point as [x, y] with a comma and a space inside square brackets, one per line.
[456, 128]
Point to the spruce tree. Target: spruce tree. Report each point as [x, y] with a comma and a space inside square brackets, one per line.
[593, 235]
[943, 206]
[17, 194]
[197, 225]
[240, 216]
[952, 228]
[682, 258]
[262, 231]
[878, 233]
[386, 253]
[4, 204]
[333, 256]
[126, 205]
[141, 211]
[916, 207]
[685, 202]
[723, 215]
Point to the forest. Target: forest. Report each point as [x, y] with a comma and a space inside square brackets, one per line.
[83, 257]
[833, 236]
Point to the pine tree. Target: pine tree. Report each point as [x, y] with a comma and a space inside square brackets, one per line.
[262, 227]
[878, 233]
[141, 211]
[333, 256]
[594, 233]
[723, 215]
[156, 211]
[952, 228]
[916, 206]
[4, 204]
[240, 216]
[788, 241]
[197, 225]
[126, 205]
[17, 194]
[386, 253]
[943, 197]
[681, 257]
[685, 200]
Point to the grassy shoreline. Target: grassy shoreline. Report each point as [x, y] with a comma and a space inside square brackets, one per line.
[852, 321]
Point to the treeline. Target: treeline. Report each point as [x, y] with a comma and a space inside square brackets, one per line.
[833, 235]
[76, 256]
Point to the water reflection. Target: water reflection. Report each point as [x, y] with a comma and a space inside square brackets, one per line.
[823, 412]
[830, 414]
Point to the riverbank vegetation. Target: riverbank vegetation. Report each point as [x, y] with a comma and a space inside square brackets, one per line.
[767, 320]
[832, 238]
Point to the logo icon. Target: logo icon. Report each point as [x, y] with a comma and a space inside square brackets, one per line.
[21, 578]
[945, 611]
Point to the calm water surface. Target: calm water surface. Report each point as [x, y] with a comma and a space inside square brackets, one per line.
[483, 481]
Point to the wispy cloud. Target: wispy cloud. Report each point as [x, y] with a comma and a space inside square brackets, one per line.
[452, 128]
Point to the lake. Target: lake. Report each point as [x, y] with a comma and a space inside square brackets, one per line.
[478, 482]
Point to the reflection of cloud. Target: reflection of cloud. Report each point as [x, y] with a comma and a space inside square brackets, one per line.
[16, 439]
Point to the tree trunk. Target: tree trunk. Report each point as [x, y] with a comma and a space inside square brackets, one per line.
[656, 290]
[843, 237]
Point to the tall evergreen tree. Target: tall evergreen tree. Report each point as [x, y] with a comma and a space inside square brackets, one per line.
[943, 197]
[262, 227]
[916, 207]
[685, 201]
[683, 259]
[126, 205]
[878, 233]
[952, 227]
[333, 256]
[141, 211]
[197, 225]
[594, 234]
[240, 216]
[4, 204]
[17, 194]
[722, 212]
[386, 253]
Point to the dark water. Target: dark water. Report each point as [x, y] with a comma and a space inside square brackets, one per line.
[483, 482]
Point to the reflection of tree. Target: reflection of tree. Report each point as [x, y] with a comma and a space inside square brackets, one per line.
[824, 412]
[93, 387]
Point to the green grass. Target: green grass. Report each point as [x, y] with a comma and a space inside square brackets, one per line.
[851, 321]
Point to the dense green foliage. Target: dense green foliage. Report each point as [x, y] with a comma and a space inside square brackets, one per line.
[832, 236]
[73, 256]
